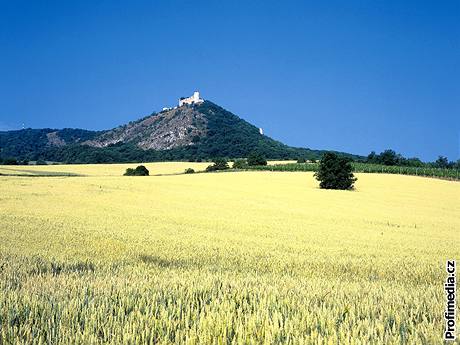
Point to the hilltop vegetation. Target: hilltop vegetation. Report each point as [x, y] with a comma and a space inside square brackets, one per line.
[200, 132]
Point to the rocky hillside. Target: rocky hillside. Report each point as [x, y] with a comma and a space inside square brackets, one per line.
[190, 132]
[162, 131]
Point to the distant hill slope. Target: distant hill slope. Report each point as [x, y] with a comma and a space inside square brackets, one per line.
[190, 132]
[30, 143]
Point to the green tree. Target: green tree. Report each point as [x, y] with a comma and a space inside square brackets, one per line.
[335, 172]
[389, 157]
[219, 164]
[10, 161]
[442, 162]
[413, 162]
[256, 158]
[240, 164]
[372, 157]
[139, 171]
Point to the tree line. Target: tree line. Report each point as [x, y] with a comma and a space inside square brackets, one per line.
[391, 158]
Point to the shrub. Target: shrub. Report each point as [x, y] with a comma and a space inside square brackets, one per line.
[335, 172]
[139, 171]
[301, 160]
[256, 158]
[189, 171]
[441, 162]
[219, 164]
[389, 157]
[240, 164]
[9, 161]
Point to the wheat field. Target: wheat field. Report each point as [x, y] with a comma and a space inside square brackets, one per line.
[223, 258]
[160, 168]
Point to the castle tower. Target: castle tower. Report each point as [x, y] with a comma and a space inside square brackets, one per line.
[194, 99]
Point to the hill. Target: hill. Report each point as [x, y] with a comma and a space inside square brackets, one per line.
[189, 132]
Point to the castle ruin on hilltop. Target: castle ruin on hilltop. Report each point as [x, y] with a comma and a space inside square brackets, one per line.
[195, 99]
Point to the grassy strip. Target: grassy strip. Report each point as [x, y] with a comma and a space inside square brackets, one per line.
[452, 174]
[42, 175]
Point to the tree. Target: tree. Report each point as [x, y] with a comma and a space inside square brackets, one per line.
[301, 160]
[10, 161]
[219, 164]
[412, 162]
[139, 171]
[372, 157]
[256, 158]
[189, 171]
[442, 162]
[389, 157]
[335, 172]
[239, 164]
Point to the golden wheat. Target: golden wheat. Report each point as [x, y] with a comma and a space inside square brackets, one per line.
[160, 168]
[226, 258]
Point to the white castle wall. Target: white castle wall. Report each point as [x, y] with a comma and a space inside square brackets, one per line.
[195, 99]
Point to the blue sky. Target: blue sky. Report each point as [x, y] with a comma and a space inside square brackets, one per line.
[352, 76]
